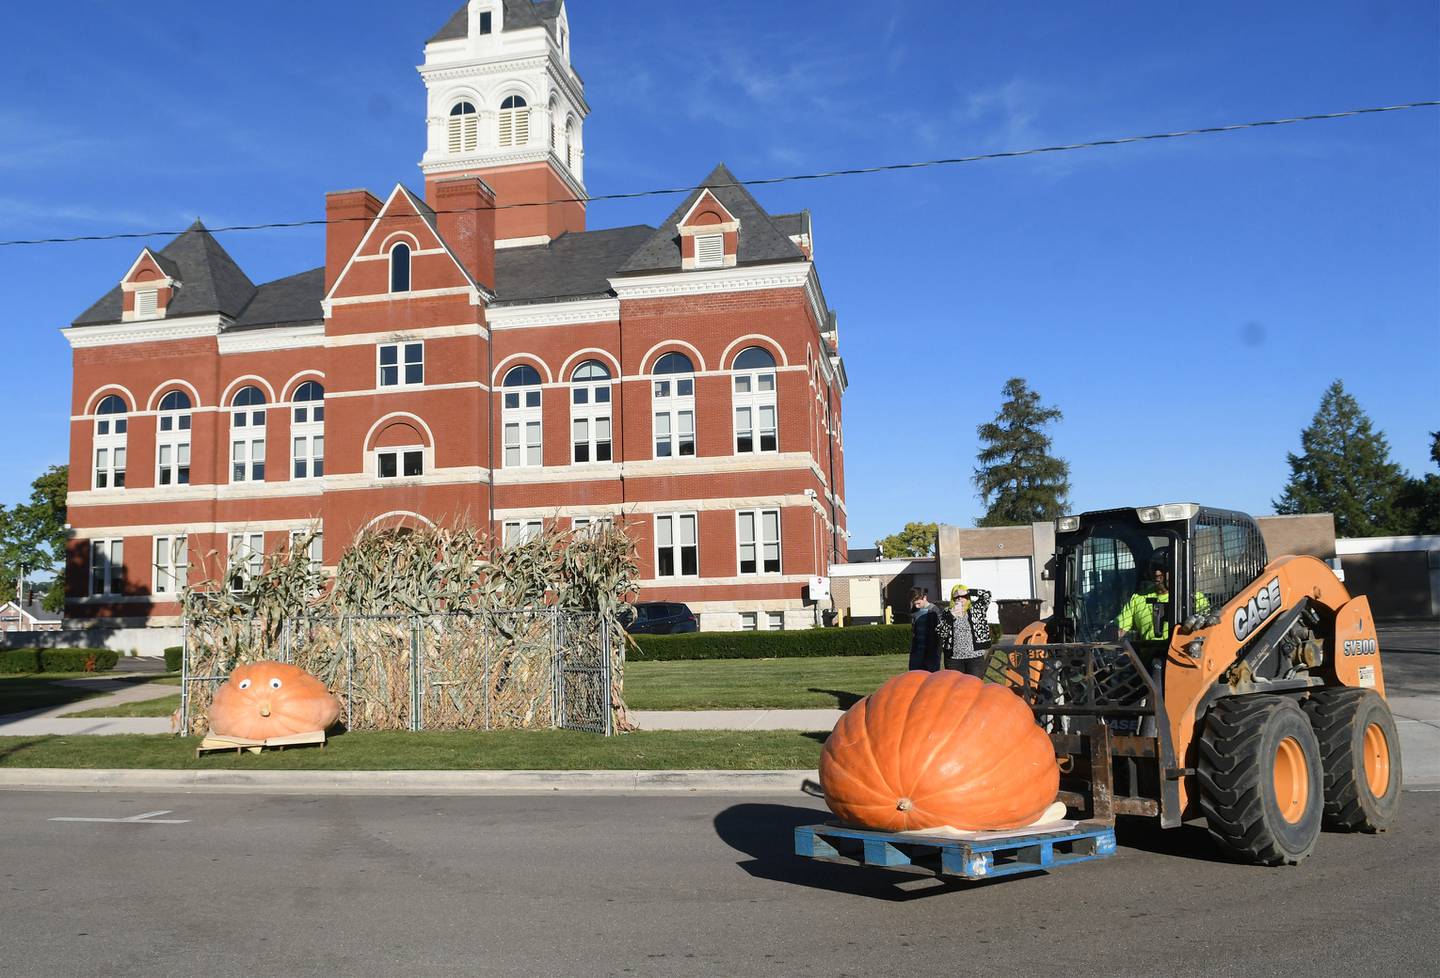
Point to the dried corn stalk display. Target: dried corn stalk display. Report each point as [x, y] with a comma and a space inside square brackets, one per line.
[430, 628]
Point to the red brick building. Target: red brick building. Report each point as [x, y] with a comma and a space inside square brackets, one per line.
[474, 353]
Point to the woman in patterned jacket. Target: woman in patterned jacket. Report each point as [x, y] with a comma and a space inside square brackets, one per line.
[965, 630]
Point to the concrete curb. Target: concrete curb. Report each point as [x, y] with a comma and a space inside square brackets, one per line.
[405, 782]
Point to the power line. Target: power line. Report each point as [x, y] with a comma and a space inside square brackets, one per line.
[793, 178]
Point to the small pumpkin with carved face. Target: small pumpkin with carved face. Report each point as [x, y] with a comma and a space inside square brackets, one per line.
[271, 699]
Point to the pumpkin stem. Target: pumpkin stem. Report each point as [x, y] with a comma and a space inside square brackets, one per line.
[904, 804]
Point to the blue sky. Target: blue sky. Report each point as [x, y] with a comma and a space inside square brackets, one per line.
[1184, 303]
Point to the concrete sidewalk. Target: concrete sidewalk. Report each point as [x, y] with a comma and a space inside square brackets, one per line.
[53, 720]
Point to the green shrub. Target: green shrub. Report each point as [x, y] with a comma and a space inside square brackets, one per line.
[173, 655]
[858, 640]
[78, 660]
[20, 660]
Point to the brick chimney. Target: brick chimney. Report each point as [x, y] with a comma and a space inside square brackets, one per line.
[350, 213]
[465, 213]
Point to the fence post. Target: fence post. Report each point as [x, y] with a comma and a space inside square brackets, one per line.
[184, 674]
[607, 690]
[486, 638]
[557, 676]
[349, 646]
[416, 722]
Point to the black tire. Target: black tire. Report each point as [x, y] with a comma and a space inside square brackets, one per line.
[1343, 720]
[1246, 744]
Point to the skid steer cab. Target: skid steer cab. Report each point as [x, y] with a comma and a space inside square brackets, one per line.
[1185, 674]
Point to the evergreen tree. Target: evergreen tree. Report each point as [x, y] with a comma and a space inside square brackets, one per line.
[1019, 480]
[32, 536]
[916, 540]
[1344, 468]
[1421, 498]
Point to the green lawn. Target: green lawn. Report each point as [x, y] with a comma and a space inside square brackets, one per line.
[710, 684]
[507, 750]
[162, 707]
[736, 684]
[38, 691]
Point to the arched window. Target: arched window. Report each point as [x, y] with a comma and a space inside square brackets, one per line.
[521, 417]
[307, 432]
[172, 440]
[247, 436]
[514, 122]
[400, 268]
[753, 393]
[111, 426]
[572, 149]
[554, 127]
[462, 129]
[590, 412]
[674, 406]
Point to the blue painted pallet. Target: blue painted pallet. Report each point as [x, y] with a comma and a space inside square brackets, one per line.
[968, 859]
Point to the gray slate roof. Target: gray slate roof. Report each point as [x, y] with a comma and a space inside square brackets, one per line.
[210, 281]
[761, 240]
[571, 266]
[294, 299]
[792, 224]
[519, 14]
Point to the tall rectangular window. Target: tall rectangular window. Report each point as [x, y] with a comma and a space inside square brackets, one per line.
[677, 550]
[172, 559]
[401, 364]
[107, 567]
[246, 558]
[759, 541]
[485, 21]
[520, 531]
[247, 458]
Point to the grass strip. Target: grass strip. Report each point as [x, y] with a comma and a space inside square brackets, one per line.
[502, 750]
[772, 684]
[162, 707]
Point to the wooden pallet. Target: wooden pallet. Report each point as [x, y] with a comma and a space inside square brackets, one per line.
[971, 859]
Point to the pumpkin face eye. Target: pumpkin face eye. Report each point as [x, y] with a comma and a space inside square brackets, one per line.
[275, 684]
[244, 684]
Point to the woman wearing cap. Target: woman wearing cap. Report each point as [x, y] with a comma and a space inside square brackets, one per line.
[966, 630]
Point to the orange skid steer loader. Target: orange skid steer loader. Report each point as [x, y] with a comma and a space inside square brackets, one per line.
[1184, 674]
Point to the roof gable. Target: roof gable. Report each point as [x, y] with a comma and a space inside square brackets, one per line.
[213, 282]
[519, 15]
[760, 243]
[403, 217]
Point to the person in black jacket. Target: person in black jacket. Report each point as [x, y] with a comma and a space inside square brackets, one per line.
[965, 630]
[924, 632]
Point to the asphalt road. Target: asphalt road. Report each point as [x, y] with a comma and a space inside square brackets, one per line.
[570, 885]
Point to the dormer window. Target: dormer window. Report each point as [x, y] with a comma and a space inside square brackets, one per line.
[709, 250]
[463, 128]
[146, 303]
[486, 22]
[514, 122]
[400, 268]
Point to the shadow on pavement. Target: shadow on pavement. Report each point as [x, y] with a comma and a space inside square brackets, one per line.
[766, 834]
[1189, 841]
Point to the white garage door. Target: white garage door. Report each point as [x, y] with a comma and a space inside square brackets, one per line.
[1003, 577]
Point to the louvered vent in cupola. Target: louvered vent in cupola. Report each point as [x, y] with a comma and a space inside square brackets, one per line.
[463, 129]
[709, 250]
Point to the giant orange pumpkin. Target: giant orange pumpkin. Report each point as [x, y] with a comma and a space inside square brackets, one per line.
[931, 749]
[271, 699]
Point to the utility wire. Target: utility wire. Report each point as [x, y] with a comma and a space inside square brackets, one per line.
[793, 178]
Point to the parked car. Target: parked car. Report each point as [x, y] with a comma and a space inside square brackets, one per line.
[659, 618]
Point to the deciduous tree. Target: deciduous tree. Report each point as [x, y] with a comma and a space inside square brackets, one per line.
[32, 536]
[916, 540]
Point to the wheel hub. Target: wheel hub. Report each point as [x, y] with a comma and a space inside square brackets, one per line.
[1292, 780]
[1376, 750]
